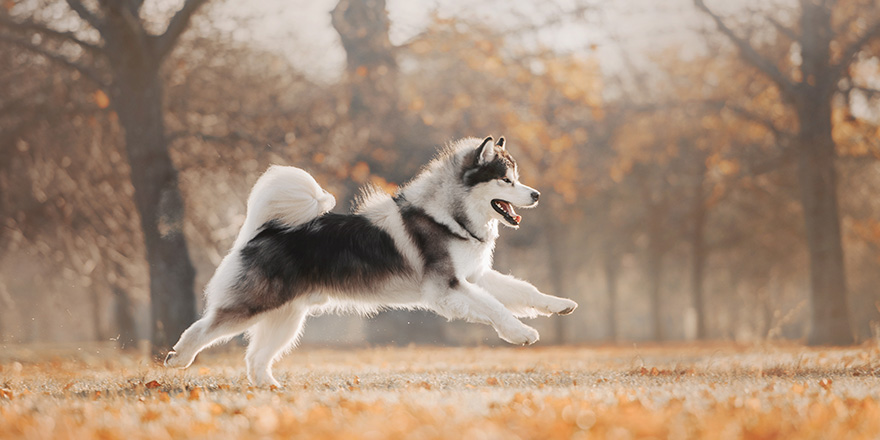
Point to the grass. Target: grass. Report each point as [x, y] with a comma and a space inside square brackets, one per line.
[677, 391]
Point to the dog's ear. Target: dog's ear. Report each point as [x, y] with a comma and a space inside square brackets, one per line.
[486, 151]
[500, 143]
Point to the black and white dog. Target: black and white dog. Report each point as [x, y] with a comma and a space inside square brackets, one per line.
[428, 247]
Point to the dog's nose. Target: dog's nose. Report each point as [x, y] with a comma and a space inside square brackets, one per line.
[535, 195]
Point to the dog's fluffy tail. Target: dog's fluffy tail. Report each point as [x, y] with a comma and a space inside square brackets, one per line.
[288, 195]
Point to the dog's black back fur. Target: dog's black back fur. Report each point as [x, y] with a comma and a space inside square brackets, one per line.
[345, 253]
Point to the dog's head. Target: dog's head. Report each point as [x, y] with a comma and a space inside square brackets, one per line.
[491, 176]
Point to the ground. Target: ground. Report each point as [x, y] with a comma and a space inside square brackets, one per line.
[681, 391]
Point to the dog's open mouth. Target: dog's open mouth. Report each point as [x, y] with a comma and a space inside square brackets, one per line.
[504, 208]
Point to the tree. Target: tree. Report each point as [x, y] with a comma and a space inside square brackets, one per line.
[394, 145]
[124, 63]
[808, 89]
[371, 68]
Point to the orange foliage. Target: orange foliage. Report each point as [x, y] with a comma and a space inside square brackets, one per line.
[101, 99]
[544, 101]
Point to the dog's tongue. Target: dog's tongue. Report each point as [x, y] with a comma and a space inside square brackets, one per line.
[509, 208]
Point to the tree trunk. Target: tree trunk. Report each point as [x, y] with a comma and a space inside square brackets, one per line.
[818, 181]
[698, 257]
[556, 258]
[655, 278]
[138, 101]
[127, 339]
[6, 308]
[100, 334]
[371, 68]
[655, 268]
[765, 302]
[612, 267]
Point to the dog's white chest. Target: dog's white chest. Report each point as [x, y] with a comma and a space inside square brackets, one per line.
[471, 259]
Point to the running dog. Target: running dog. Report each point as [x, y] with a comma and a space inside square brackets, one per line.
[427, 247]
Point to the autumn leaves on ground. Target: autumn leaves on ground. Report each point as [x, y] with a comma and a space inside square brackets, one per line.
[682, 391]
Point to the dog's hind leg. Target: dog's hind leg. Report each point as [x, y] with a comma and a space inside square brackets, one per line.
[276, 332]
[213, 328]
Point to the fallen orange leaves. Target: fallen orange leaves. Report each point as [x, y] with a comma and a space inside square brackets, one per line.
[435, 393]
[195, 393]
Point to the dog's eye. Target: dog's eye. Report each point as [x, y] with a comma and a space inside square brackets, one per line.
[506, 180]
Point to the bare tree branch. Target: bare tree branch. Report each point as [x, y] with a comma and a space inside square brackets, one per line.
[783, 29]
[176, 27]
[853, 49]
[556, 19]
[750, 55]
[42, 29]
[786, 157]
[869, 92]
[780, 135]
[86, 15]
[86, 71]
[639, 76]
[136, 5]
[788, 150]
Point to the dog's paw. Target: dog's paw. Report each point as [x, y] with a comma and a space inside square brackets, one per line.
[262, 378]
[522, 335]
[570, 306]
[264, 381]
[176, 359]
[555, 305]
[172, 360]
[269, 383]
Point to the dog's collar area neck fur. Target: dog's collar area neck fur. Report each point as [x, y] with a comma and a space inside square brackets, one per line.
[462, 222]
[402, 202]
[468, 230]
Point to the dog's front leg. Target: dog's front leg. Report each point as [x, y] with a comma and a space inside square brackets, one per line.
[464, 300]
[521, 297]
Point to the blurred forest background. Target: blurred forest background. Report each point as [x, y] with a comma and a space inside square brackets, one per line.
[709, 170]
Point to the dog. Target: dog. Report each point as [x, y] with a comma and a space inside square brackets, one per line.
[427, 247]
